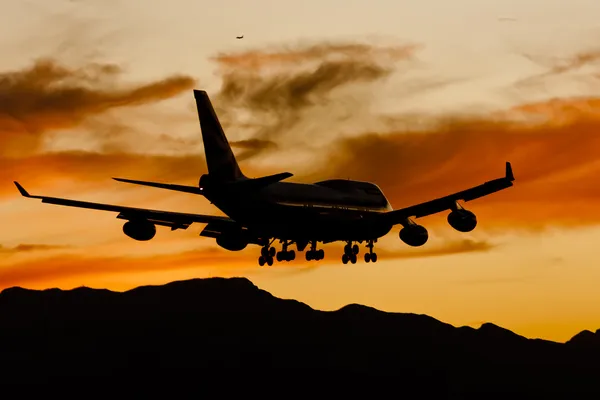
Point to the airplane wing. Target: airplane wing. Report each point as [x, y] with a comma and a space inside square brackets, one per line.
[248, 184]
[175, 220]
[449, 202]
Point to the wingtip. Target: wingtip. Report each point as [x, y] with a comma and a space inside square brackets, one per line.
[199, 93]
[22, 190]
[509, 172]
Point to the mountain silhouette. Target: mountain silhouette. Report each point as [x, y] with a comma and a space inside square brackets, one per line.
[203, 330]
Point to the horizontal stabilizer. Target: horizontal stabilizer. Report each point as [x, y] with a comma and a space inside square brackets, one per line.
[168, 186]
[259, 183]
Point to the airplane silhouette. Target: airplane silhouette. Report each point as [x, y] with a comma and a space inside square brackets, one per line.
[265, 209]
[239, 37]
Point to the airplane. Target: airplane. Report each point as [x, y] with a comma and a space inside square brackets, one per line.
[239, 37]
[260, 211]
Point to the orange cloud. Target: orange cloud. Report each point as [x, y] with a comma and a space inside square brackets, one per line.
[39, 171]
[66, 267]
[61, 97]
[555, 165]
[23, 248]
[554, 156]
[302, 53]
[48, 96]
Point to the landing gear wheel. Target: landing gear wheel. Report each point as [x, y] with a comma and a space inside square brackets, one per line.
[261, 261]
[313, 253]
[345, 258]
[353, 258]
[272, 252]
[320, 254]
[355, 249]
[370, 256]
[270, 261]
[286, 255]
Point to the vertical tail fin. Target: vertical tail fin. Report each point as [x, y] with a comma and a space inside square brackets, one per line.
[222, 165]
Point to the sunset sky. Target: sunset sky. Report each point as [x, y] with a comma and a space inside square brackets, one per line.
[422, 97]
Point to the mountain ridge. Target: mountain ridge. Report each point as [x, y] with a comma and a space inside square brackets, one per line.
[242, 282]
[202, 330]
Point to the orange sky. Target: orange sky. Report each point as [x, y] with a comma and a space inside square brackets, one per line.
[311, 108]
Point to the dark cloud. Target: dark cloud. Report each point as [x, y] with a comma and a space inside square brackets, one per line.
[48, 96]
[278, 88]
[26, 248]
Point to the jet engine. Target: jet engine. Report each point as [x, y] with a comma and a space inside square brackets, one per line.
[462, 220]
[232, 241]
[414, 235]
[141, 230]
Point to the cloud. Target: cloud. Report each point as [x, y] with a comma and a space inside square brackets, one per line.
[48, 96]
[384, 253]
[554, 164]
[286, 97]
[26, 248]
[66, 267]
[300, 53]
[555, 67]
[447, 248]
[251, 147]
[277, 89]
[90, 168]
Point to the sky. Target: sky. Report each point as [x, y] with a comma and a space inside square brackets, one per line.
[421, 97]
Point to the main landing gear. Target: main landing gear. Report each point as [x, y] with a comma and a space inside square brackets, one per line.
[285, 254]
[350, 253]
[267, 253]
[313, 253]
[370, 256]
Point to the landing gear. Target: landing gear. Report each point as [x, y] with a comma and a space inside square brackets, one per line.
[350, 253]
[313, 253]
[266, 255]
[285, 254]
[370, 256]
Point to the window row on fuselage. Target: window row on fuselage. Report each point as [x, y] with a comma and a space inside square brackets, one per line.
[335, 207]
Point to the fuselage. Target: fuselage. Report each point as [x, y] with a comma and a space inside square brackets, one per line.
[325, 211]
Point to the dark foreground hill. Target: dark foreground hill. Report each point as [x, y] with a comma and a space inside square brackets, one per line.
[228, 330]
